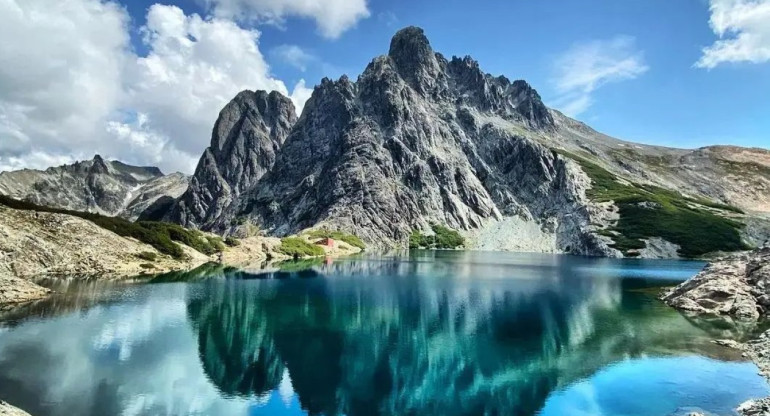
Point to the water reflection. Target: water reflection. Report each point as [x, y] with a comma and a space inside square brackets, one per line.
[440, 333]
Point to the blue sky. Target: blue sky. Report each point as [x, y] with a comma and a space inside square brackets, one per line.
[634, 69]
[671, 104]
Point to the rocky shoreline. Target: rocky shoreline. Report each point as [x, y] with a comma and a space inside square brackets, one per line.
[734, 287]
[8, 410]
[36, 245]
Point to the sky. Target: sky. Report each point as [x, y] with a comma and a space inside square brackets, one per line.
[142, 81]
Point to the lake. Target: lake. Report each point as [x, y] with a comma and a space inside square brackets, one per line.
[431, 333]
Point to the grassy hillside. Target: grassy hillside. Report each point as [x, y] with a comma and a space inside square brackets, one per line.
[160, 235]
[698, 226]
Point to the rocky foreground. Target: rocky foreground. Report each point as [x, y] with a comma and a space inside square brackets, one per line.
[35, 244]
[737, 287]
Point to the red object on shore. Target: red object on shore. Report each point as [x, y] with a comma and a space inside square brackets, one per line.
[328, 242]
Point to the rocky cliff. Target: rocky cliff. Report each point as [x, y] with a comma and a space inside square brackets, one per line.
[97, 185]
[247, 136]
[420, 139]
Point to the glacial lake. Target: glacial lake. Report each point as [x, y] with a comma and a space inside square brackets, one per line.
[432, 333]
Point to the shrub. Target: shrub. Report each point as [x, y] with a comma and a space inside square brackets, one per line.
[147, 266]
[232, 241]
[444, 238]
[297, 247]
[147, 255]
[216, 243]
[447, 238]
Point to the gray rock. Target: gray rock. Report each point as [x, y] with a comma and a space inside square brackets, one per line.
[100, 186]
[247, 136]
[736, 285]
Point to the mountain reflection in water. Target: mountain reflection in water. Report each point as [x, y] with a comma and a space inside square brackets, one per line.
[438, 333]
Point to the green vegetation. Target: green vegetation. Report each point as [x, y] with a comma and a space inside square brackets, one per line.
[147, 266]
[444, 238]
[650, 211]
[147, 255]
[351, 239]
[191, 238]
[299, 265]
[232, 241]
[159, 235]
[297, 247]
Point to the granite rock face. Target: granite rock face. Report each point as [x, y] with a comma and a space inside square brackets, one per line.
[737, 285]
[247, 136]
[98, 185]
[418, 139]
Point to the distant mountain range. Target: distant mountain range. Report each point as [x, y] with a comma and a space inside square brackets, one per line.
[419, 139]
[100, 186]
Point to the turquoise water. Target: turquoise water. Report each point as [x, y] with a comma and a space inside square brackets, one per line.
[436, 333]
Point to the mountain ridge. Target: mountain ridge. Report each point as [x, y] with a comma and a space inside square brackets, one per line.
[105, 187]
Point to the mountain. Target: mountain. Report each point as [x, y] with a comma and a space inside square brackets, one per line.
[419, 139]
[97, 185]
[247, 136]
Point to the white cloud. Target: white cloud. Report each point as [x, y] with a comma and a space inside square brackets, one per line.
[294, 56]
[585, 67]
[70, 86]
[332, 17]
[743, 29]
[60, 69]
[193, 69]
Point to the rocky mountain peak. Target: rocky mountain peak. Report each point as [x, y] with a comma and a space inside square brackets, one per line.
[246, 138]
[99, 166]
[410, 43]
[415, 60]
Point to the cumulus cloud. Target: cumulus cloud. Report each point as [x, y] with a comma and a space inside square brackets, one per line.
[70, 86]
[194, 67]
[332, 17]
[587, 66]
[743, 29]
[60, 69]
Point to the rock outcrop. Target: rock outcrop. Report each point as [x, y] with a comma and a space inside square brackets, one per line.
[15, 290]
[737, 285]
[247, 136]
[98, 185]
